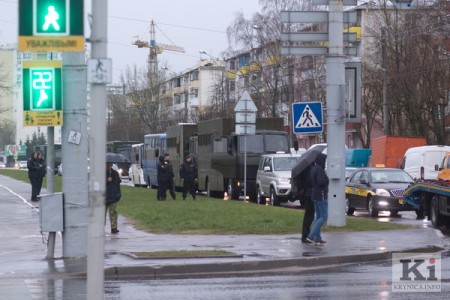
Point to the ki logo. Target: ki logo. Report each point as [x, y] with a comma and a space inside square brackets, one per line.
[416, 272]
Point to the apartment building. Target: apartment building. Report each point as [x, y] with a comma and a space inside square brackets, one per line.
[187, 95]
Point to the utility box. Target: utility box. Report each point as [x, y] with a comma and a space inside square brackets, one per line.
[51, 212]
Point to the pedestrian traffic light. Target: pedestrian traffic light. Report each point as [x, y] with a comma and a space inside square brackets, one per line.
[42, 88]
[42, 93]
[51, 25]
[50, 17]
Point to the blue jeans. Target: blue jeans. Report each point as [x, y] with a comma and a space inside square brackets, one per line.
[321, 208]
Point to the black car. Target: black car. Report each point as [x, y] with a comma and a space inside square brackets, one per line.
[377, 189]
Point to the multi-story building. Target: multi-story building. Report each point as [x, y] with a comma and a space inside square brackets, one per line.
[188, 94]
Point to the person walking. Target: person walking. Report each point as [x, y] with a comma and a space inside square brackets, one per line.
[189, 175]
[170, 177]
[319, 195]
[161, 170]
[42, 170]
[113, 195]
[305, 182]
[34, 175]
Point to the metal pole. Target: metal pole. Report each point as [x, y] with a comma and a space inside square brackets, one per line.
[97, 182]
[336, 115]
[245, 153]
[386, 124]
[74, 179]
[50, 172]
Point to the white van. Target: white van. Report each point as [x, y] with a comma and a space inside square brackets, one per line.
[420, 162]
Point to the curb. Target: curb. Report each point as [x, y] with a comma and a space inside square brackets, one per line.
[244, 267]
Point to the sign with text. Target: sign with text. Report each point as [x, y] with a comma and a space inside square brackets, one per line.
[51, 25]
[42, 93]
[416, 272]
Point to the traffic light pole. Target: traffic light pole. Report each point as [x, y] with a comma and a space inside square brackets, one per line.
[335, 63]
[97, 149]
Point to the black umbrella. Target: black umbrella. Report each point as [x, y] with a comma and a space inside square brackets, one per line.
[305, 160]
[116, 158]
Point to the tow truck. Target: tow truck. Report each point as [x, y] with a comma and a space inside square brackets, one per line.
[432, 197]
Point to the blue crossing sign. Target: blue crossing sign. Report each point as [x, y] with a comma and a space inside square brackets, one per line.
[307, 117]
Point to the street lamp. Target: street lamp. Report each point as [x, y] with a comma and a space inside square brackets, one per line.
[204, 52]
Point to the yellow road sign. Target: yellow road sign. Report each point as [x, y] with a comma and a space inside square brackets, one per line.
[43, 118]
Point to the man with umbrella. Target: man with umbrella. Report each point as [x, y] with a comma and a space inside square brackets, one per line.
[301, 173]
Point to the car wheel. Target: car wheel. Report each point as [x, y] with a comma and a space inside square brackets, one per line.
[419, 214]
[372, 211]
[274, 199]
[260, 199]
[436, 217]
[348, 209]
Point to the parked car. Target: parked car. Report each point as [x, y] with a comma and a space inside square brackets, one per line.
[377, 189]
[273, 178]
[2, 165]
[349, 171]
[21, 164]
[60, 169]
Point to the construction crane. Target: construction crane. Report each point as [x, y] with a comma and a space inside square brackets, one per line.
[155, 49]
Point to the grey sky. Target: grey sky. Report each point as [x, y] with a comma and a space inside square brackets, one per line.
[193, 24]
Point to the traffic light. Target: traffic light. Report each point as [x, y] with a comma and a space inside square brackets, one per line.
[42, 93]
[42, 89]
[50, 17]
[51, 25]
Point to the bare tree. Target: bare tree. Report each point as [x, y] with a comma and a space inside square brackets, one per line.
[7, 133]
[5, 88]
[145, 98]
[270, 75]
[417, 69]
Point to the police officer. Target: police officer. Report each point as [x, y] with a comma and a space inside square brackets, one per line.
[189, 174]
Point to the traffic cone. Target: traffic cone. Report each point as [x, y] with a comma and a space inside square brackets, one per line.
[225, 196]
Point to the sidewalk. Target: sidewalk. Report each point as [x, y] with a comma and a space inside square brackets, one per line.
[23, 249]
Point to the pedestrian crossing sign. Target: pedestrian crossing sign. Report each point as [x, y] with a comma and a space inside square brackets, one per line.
[307, 117]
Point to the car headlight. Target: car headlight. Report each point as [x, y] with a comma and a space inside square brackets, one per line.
[284, 180]
[382, 192]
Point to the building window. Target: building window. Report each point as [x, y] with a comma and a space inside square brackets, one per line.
[194, 75]
[194, 93]
[232, 65]
[177, 99]
[232, 86]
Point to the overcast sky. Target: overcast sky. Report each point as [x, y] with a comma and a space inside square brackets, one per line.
[193, 24]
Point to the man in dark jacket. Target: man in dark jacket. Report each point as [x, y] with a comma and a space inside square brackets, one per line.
[161, 169]
[165, 178]
[319, 195]
[42, 170]
[34, 175]
[113, 195]
[305, 182]
[189, 175]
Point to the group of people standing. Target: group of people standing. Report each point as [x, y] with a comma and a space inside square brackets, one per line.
[37, 169]
[166, 176]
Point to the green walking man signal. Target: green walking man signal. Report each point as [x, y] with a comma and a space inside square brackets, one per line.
[42, 89]
[51, 25]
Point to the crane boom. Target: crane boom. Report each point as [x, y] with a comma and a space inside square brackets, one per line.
[155, 49]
